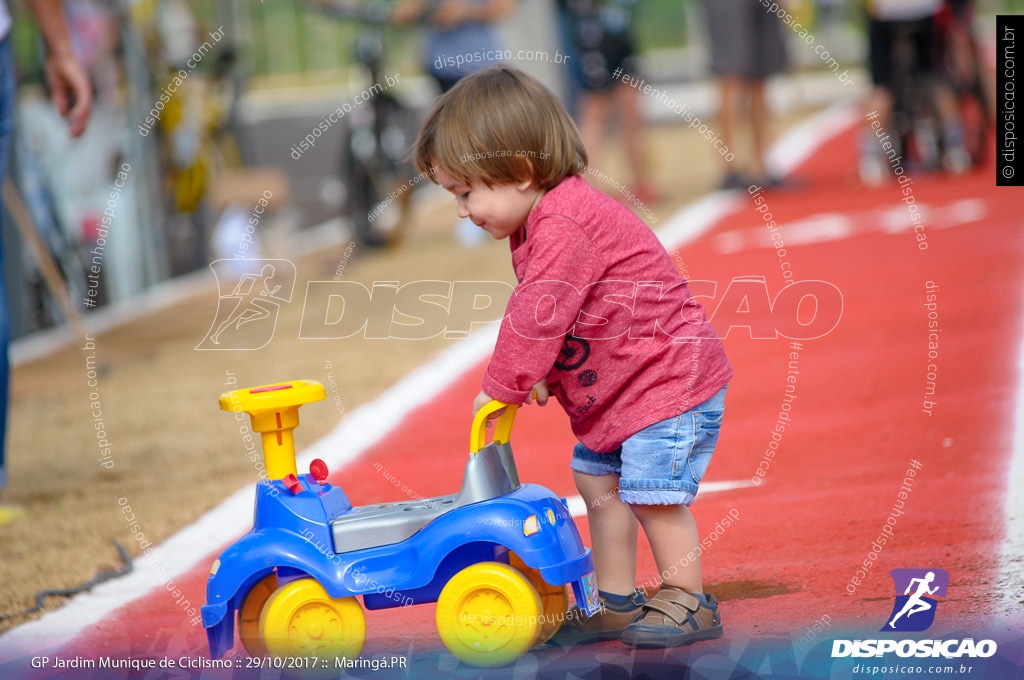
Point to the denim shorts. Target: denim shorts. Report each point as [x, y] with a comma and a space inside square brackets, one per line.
[663, 463]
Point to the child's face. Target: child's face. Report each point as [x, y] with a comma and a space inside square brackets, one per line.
[499, 210]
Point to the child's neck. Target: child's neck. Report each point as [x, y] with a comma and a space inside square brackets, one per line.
[540, 195]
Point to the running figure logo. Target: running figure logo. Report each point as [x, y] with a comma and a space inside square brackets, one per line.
[251, 295]
[914, 610]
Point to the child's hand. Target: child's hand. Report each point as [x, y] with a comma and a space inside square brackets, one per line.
[541, 392]
[482, 400]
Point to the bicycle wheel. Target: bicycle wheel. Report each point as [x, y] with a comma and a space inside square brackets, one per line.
[974, 117]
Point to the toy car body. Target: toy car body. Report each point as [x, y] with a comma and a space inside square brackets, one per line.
[308, 537]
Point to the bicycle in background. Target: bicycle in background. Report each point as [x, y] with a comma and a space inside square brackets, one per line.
[929, 68]
[375, 158]
[960, 65]
[942, 121]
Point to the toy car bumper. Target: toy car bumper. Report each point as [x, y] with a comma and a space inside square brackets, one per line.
[579, 571]
[220, 631]
[585, 590]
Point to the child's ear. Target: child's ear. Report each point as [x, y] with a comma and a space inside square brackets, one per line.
[524, 185]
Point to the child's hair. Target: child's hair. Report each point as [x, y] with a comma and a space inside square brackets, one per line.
[500, 126]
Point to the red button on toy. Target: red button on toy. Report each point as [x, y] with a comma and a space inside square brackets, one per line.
[318, 469]
[292, 482]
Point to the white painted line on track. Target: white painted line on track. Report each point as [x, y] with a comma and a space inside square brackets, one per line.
[797, 145]
[364, 426]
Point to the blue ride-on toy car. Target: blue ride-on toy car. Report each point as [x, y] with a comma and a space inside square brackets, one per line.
[497, 557]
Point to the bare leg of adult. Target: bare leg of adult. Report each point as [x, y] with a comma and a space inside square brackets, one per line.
[877, 113]
[730, 92]
[880, 101]
[628, 99]
[759, 127]
[593, 119]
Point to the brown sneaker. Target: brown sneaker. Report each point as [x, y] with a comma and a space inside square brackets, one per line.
[673, 618]
[606, 624]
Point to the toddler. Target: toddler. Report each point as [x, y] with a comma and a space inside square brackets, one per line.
[603, 321]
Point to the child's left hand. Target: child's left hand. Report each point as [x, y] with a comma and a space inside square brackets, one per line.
[540, 392]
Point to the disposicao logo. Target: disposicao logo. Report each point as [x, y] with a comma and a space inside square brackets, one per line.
[914, 611]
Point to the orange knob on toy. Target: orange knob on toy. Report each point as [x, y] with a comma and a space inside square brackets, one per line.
[274, 410]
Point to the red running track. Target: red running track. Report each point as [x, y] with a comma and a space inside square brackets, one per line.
[856, 423]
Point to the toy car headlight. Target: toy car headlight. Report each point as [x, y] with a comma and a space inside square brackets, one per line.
[531, 526]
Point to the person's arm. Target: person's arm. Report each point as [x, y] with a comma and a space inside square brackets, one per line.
[562, 265]
[454, 12]
[407, 11]
[68, 82]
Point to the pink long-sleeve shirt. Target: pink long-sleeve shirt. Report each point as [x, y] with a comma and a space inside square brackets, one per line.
[603, 314]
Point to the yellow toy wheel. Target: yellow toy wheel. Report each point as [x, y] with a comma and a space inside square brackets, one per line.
[489, 614]
[554, 600]
[249, 615]
[301, 619]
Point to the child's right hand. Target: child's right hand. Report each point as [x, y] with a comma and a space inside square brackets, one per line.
[540, 392]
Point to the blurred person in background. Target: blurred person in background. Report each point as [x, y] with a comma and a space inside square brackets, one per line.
[890, 21]
[828, 18]
[461, 39]
[573, 75]
[69, 87]
[184, 117]
[604, 52]
[746, 49]
[92, 26]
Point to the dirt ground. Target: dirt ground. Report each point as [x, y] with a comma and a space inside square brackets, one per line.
[174, 454]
